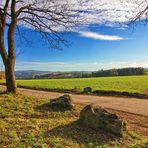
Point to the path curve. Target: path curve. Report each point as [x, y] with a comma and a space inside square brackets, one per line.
[130, 105]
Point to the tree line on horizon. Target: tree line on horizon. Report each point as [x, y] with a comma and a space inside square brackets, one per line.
[100, 73]
[119, 72]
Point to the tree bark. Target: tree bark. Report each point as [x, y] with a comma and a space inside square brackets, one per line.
[10, 76]
[9, 61]
[8, 57]
[2, 48]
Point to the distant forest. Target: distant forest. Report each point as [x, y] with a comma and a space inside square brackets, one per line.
[119, 72]
[99, 73]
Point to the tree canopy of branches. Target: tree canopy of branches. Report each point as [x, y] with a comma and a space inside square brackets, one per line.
[143, 11]
[47, 17]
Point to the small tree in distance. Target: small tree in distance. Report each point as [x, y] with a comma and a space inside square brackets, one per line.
[46, 17]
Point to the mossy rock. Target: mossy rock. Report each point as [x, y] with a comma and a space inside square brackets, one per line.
[99, 118]
[87, 90]
[62, 103]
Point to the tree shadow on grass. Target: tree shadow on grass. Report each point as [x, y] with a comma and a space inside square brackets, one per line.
[43, 108]
[77, 133]
[82, 135]
[3, 92]
[45, 111]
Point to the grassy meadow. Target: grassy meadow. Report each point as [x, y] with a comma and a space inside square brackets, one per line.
[29, 122]
[126, 83]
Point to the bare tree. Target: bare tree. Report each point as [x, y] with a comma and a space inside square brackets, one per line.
[143, 10]
[49, 18]
[134, 10]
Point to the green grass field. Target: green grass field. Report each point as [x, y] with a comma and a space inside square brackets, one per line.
[129, 83]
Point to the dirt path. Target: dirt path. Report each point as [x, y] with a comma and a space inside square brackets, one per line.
[130, 105]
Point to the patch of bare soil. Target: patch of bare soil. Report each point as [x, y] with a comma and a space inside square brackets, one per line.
[132, 110]
[136, 123]
[146, 91]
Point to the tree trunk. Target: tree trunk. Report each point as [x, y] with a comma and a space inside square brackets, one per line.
[8, 56]
[10, 76]
[10, 62]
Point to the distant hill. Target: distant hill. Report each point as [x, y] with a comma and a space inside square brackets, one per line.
[28, 74]
[35, 74]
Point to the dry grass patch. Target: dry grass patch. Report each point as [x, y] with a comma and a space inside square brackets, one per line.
[28, 122]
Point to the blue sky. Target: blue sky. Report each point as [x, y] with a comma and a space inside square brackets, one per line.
[98, 43]
[87, 50]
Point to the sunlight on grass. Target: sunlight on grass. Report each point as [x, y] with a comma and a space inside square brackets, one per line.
[28, 122]
[129, 84]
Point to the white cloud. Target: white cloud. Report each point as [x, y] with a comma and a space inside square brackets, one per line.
[107, 12]
[99, 36]
[78, 66]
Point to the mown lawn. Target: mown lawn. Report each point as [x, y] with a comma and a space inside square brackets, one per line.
[28, 122]
[129, 83]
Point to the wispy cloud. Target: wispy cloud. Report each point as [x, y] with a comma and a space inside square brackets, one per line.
[99, 36]
[78, 66]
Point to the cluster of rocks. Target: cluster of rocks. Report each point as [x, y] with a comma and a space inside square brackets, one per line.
[93, 117]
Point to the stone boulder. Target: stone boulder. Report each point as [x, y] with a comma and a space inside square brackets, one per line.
[99, 118]
[87, 90]
[62, 103]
